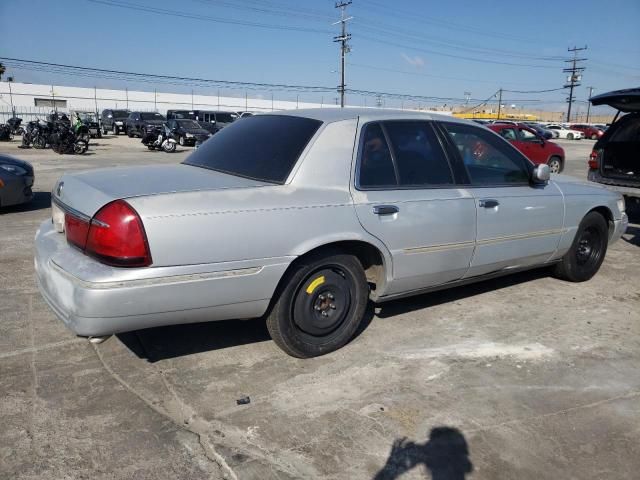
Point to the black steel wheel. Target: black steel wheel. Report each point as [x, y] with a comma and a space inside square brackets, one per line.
[587, 252]
[319, 305]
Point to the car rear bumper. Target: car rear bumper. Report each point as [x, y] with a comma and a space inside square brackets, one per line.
[611, 184]
[93, 299]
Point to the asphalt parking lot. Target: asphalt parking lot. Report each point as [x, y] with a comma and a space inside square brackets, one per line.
[524, 377]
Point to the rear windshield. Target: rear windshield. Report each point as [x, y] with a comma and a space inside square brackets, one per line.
[151, 116]
[120, 113]
[264, 147]
[225, 117]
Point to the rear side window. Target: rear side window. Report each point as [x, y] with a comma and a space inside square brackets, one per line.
[264, 147]
[376, 165]
[402, 154]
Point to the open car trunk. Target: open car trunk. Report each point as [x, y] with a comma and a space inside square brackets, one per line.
[621, 151]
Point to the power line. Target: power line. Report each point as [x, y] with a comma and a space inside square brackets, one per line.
[206, 18]
[137, 76]
[450, 55]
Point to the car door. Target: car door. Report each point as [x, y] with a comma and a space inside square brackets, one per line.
[519, 224]
[406, 195]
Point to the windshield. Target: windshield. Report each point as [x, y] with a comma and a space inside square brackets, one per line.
[188, 124]
[264, 147]
[151, 116]
[121, 113]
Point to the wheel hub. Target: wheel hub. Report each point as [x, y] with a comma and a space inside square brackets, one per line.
[322, 304]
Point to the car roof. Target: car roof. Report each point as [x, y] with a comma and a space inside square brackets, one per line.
[330, 115]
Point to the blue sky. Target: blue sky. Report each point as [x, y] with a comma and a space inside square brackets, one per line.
[430, 48]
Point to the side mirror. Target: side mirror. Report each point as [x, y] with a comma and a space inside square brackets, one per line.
[541, 174]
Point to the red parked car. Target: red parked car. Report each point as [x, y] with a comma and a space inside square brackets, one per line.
[594, 133]
[534, 147]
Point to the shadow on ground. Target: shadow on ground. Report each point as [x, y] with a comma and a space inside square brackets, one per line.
[161, 343]
[410, 304]
[40, 200]
[445, 456]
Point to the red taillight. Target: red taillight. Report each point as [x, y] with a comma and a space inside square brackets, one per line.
[594, 160]
[116, 236]
[76, 230]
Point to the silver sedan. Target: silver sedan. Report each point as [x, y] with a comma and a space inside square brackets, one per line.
[304, 217]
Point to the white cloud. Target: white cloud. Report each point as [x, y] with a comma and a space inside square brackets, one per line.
[417, 61]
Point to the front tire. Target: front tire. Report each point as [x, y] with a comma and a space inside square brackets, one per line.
[169, 147]
[587, 251]
[555, 165]
[319, 306]
[569, 136]
[594, 137]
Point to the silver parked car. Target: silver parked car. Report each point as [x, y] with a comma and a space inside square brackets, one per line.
[304, 217]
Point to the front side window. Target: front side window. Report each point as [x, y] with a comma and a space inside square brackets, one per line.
[264, 147]
[487, 158]
[528, 136]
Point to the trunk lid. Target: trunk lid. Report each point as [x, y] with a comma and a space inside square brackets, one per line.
[627, 100]
[87, 192]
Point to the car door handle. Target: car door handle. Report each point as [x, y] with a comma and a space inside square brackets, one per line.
[488, 203]
[385, 209]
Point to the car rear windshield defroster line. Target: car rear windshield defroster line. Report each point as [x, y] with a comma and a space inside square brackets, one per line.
[263, 147]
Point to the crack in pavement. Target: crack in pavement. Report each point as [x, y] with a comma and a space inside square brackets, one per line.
[516, 421]
[209, 452]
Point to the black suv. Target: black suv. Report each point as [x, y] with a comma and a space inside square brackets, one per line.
[114, 120]
[614, 161]
[139, 122]
[210, 120]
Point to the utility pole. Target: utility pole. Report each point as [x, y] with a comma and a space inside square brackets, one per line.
[499, 102]
[589, 103]
[573, 80]
[343, 38]
[467, 97]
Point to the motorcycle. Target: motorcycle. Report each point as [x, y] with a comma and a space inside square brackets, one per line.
[81, 130]
[159, 138]
[38, 134]
[5, 133]
[14, 123]
[65, 141]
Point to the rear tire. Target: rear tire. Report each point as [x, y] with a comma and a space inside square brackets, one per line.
[594, 137]
[587, 251]
[569, 136]
[319, 305]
